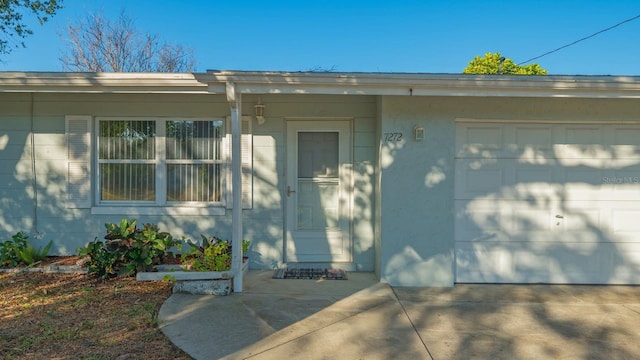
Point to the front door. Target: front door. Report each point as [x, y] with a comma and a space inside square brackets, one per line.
[318, 191]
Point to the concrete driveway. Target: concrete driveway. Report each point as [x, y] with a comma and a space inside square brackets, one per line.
[362, 319]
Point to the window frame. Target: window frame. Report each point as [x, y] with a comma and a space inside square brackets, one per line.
[160, 205]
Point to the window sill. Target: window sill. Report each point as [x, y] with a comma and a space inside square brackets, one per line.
[160, 210]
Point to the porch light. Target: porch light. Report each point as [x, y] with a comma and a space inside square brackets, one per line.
[258, 108]
[418, 132]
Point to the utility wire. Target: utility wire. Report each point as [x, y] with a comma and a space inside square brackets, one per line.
[579, 40]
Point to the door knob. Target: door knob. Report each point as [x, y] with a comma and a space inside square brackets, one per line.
[559, 217]
[289, 191]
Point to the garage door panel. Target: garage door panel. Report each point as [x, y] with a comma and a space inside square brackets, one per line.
[552, 263]
[547, 141]
[613, 221]
[602, 221]
[479, 263]
[532, 173]
[483, 222]
[624, 183]
[575, 221]
[625, 142]
[480, 141]
[478, 217]
[504, 141]
[625, 262]
[584, 143]
[586, 135]
[528, 214]
[626, 222]
[502, 220]
[533, 142]
[557, 203]
[497, 177]
[582, 175]
[525, 219]
[584, 183]
[601, 186]
[477, 177]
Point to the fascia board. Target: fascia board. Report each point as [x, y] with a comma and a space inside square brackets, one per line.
[400, 84]
[434, 85]
[101, 83]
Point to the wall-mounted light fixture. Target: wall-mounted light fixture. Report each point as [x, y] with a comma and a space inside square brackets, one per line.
[258, 109]
[418, 132]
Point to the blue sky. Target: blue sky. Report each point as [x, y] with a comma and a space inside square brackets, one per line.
[368, 36]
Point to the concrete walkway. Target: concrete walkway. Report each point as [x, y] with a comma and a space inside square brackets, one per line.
[362, 319]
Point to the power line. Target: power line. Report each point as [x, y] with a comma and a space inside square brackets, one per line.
[579, 40]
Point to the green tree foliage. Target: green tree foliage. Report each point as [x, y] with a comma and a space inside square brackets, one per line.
[12, 26]
[497, 64]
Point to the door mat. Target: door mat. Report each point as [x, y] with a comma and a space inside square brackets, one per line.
[308, 273]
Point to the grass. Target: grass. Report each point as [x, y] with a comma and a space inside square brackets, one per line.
[65, 316]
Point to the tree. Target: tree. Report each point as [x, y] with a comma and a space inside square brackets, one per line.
[497, 64]
[12, 24]
[97, 44]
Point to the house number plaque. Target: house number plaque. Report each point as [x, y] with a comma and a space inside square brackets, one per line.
[392, 137]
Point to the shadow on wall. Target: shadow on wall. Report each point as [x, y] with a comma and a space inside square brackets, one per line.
[416, 184]
[550, 212]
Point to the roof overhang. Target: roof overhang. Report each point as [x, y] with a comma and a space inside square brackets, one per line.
[327, 83]
[61, 82]
[411, 84]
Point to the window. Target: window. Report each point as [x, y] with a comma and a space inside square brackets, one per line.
[154, 166]
[160, 162]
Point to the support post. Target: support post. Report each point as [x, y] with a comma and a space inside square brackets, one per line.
[235, 102]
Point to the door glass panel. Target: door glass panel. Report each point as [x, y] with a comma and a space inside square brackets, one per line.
[318, 185]
[317, 154]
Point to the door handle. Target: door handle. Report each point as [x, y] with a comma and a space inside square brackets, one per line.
[559, 217]
[289, 191]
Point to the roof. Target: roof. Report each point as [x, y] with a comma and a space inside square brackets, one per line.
[336, 83]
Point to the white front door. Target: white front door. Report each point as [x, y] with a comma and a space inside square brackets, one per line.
[318, 191]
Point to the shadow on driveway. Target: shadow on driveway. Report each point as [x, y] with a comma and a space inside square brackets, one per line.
[362, 319]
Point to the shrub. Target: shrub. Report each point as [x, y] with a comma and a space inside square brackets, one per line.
[19, 250]
[213, 255]
[127, 249]
[103, 263]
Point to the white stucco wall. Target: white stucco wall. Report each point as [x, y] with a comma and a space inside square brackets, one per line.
[51, 220]
[16, 170]
[416, 176]
[415, 219]
[266, 220]
[263, 224]
[403, 190]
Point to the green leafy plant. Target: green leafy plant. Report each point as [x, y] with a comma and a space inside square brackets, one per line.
[128, 249]
[31, 255]
[10, 250]
[214, 254]
[19, 251]
[245, 247]
[169, 278]
[146, 247]
[103, 263]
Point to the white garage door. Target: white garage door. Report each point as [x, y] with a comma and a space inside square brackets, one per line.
[549, 203]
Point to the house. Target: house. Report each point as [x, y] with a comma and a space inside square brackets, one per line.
[426, 179]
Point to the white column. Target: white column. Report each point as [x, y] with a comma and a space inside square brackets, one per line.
[235, 102]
